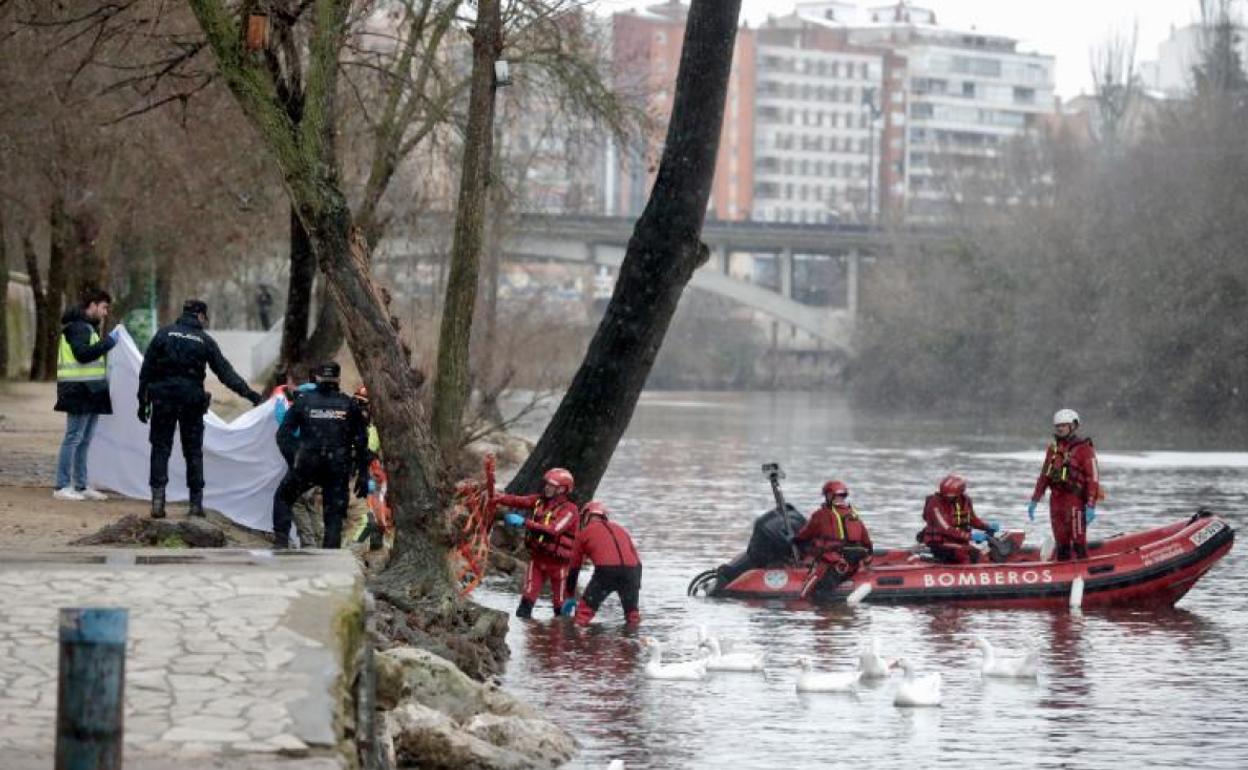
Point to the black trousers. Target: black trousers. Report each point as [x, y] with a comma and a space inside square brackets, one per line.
[626, 581]
[188, 419]
[324, 471]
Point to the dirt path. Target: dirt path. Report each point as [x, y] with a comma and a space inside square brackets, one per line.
[30, 437]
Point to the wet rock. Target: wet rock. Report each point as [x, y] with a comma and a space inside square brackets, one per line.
[411, 674]
[427, 738]
[545, 744]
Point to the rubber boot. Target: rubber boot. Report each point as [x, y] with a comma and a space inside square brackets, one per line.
[525, 610]
[584, 613]
[196, 508]
[158, 502]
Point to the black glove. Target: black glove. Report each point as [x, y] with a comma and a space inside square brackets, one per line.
[361, 485]
[144, 410]
[255, 398]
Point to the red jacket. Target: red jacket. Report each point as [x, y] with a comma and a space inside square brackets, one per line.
[606, 544]
[550, 529]
[1070, 466]
[949, 520]
[834, 527]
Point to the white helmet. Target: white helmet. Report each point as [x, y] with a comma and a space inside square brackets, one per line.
[1063, 416]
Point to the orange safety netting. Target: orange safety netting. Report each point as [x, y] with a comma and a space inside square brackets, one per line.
[474, 512]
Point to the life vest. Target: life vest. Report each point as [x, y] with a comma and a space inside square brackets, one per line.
[1060, 471]
[561, 546]
[69, 369]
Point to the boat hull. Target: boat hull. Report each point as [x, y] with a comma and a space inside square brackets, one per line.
[1150, 568]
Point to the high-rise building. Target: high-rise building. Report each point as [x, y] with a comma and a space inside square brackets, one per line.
[646, 58]
[1172, 73]
[964, 94]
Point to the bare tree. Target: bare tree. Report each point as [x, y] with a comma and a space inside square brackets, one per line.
[1116, 83]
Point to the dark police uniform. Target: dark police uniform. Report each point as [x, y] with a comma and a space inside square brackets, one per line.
[171, 384]
[324, 438]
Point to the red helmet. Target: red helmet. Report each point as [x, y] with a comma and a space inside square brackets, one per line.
[834, 488]
[559, 477]
[952, 485]
[594, 508]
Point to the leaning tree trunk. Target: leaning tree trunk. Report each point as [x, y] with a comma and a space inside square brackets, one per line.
[298, 294]
[327, 336]
[452, 384]
[662, 254]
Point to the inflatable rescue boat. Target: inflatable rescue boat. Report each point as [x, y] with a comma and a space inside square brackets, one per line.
[1153, 567]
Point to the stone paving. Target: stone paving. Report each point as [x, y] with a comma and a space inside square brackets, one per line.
[233, 657]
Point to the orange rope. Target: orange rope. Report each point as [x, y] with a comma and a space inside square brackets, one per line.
[475, 507]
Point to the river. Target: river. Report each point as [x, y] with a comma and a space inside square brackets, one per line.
[1117, 688]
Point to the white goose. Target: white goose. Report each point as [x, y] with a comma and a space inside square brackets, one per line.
[872, 664]
[1008, 666]
[717, 660]
[917, 689]
[690, 670]
[833, 681]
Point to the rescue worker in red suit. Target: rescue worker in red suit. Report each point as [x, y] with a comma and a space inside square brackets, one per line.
[1071, 476]
[951, 526]
[829, 532]
[549, 532]
[617, 567]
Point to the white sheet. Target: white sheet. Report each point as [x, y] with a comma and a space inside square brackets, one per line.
[242, 466]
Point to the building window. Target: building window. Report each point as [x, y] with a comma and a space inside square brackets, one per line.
[968, 89]
[1024, 95]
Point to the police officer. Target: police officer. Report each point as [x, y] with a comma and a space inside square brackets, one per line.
[171, 392]
[323, 438]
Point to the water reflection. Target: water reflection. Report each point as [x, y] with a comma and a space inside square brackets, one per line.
[1125, 687]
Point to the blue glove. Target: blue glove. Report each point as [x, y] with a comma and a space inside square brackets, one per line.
[513, 519]
[978, 536]
[1031, 511]
[115, 334]
[568, 608]
[994, 527]
[1089, 514]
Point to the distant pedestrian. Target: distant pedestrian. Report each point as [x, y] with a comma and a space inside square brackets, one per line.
[324, 440]
[82, 390]
[171, 392]
[264, 304]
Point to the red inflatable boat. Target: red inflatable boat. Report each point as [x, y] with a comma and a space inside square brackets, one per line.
[1155, 567]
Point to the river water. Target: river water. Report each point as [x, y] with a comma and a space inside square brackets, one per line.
[1127, 688]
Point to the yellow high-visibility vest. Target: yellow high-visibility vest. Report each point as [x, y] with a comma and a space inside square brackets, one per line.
[69, 369]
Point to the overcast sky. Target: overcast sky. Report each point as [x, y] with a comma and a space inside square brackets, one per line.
[1067, 29]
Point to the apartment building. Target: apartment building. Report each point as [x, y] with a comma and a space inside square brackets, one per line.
[965, 94]
[646, 45]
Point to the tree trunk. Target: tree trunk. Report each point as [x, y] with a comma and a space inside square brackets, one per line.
[58, 275]
[452, 385]
[298, 294]
[486, 375]
[41, 314]
[4, 301]
[327, 337]
[662, 254]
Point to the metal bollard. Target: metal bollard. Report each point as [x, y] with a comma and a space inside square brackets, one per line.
[90, 691]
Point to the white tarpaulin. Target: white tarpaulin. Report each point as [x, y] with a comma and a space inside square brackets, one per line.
[242, 466]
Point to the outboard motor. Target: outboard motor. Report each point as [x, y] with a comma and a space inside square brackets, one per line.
[770, 541]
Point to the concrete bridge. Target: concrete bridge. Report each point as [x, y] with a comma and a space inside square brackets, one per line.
[825, 313]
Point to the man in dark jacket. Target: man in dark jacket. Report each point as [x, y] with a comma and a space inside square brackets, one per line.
[81, 391]
[323, 438]
[171, 392]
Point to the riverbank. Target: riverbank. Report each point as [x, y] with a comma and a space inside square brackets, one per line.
[168, 710]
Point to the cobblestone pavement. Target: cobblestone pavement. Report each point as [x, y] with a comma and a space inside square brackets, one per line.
[230, 654]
